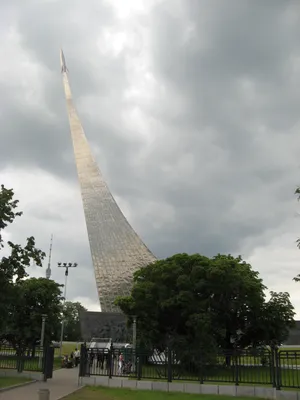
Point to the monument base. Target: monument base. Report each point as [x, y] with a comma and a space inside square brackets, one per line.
[96, 324]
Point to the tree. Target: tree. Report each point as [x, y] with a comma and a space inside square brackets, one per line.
[163, 299]
[297, 192]
[7, 207]
[32, 298]
[202, 303]
[13, 266]
[166, 298]
[72, 331]
[277, 315]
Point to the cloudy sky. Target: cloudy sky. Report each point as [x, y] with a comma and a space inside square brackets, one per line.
[192, 111]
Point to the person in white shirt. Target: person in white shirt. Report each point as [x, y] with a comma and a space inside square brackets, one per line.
[77, 357]
[120, 364]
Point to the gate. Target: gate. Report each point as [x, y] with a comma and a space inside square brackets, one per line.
[48, 362]
[105, 362]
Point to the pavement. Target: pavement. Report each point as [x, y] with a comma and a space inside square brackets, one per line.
[64, 382]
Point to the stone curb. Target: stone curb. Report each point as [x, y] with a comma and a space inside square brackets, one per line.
[6, 389]
[74, 391]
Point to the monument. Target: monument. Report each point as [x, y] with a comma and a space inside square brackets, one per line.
[117, 251]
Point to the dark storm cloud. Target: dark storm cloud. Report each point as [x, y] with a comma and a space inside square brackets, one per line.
[234, 75]
[44, 27]
[224, 159]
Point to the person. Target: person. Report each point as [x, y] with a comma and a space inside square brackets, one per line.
[77, 357]
[121, 359]
[67, 362]
[64, 361]
[127, 367]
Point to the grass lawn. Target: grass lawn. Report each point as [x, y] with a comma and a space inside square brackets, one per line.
[67, 348]
[99, 393]
[6, 381]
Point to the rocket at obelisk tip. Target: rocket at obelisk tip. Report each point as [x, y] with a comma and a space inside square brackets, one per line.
[63, 62]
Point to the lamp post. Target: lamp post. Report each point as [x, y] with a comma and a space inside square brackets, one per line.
[134, 332]
[134, 340]
[42, 348]
[66, 266]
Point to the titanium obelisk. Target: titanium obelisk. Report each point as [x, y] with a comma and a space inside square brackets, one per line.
[117, 251]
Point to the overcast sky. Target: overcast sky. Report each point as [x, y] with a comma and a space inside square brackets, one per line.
[192, 111]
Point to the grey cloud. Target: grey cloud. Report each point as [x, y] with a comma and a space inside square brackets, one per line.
[224, 159]
[44, 27]
[253, 42]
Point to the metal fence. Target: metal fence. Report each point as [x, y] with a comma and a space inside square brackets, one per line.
[280, 369]
[26, 360]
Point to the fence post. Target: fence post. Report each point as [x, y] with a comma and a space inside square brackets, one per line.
[201, 364]
[139, 365]
[277, 368]
[273, 367]
[20, 360]
[44, 362]
[170, 359]
[47, 362]
[111, 360]
[83, 361]
[236, 366]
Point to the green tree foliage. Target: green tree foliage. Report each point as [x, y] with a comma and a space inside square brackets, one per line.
[7, 207]
[32, 298]
[72, 331]
[274, 322]
[202, 303]
[297, 192]
[13, 265]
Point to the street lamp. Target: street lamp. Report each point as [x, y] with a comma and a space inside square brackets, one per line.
[134, 332]
[66, 266]
[42, 347]
[134, 340]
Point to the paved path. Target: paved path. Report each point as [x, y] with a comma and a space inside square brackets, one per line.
[64, 382]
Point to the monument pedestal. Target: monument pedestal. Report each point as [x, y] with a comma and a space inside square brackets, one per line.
[104, 325]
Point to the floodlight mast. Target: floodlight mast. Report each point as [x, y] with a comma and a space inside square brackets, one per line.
[66, 266]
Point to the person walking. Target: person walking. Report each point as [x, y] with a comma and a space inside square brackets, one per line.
[120, 364]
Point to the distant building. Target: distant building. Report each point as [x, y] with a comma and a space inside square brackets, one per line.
[294, 337]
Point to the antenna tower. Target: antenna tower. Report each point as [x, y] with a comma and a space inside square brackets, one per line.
[48, 270]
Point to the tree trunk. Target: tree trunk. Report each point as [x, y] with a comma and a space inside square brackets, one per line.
[228, 348]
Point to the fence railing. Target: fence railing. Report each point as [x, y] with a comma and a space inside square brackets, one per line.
[277, 368]
[26, 360]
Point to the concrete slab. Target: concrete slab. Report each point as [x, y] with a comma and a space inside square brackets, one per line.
[286, 395]
[265, 393]
[89, 380]
[209, 389]
[160, 386]
[144, 385]
[129, 384]
[101, 380]
[115, 383]
[245, 391]
[227, 390]
[192, 388]
[176, 387]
